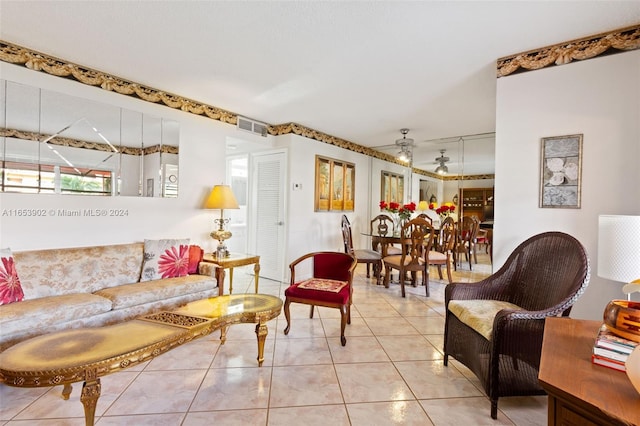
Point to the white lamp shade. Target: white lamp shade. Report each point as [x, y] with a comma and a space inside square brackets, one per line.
[619, 248]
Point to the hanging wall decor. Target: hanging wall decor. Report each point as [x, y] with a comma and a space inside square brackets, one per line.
[335, 180]
[561, 171]
[392, 185]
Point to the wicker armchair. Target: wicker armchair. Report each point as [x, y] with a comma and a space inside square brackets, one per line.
[495, 326]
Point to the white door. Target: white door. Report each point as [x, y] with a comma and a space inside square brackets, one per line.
[267, 217]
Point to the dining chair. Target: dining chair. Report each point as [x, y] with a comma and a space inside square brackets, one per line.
[442, 254]
[368, 257]
[465, 240]
[330, 285]
[426, 217]
[416, 239]
[382, 226]
[482, 239]
[495, 326]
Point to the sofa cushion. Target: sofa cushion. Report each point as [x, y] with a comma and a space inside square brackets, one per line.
[479, 314]
[165, 259]
[195, 257]
[128, 295]
[45, 311]
[54, 272]
[10, 288]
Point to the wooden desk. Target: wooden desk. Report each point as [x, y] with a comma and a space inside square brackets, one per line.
[581, 393]
[234, 260]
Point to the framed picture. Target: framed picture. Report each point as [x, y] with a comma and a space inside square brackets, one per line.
[561, 171]
[392, 187]
[335, 181]
[323, 183]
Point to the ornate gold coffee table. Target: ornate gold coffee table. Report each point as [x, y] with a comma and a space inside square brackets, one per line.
[87, 354]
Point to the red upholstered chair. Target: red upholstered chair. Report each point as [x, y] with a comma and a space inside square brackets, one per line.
[329, 285]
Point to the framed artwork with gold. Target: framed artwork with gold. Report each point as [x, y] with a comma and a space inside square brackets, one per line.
[335, 181]
[392, 187]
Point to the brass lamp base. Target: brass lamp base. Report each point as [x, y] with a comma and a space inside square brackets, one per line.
[221, 235]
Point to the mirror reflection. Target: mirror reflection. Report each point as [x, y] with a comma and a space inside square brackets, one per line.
[59, 144]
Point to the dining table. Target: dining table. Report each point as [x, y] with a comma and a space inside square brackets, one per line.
[384, 241]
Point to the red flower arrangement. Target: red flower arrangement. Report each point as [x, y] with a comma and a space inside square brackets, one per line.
[445, 210]
[404, 212]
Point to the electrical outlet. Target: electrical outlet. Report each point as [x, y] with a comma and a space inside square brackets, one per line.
[297, 186]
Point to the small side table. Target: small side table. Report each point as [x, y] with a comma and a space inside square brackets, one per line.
[234, 260]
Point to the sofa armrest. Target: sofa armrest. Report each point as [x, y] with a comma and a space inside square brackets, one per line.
[208, 269]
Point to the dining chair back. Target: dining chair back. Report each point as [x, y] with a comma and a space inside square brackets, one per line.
[416, 239]
[441, 254]
[425, 217]
[368, 257]
[382, 226]
[466, 237]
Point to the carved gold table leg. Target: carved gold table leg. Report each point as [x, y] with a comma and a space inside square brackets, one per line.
[261, 332]
[66, 391]
[256, 273]
[89, 398]
[223, 334]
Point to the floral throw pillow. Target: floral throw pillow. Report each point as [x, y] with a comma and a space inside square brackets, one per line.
[10, 288]
[165, 259]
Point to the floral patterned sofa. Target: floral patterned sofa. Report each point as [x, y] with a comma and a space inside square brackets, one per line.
[58, 289]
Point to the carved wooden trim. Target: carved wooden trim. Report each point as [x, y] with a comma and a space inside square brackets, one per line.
[616, 41]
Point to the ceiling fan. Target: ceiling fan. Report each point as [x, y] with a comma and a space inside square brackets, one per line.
[442, 168]
[406, 147]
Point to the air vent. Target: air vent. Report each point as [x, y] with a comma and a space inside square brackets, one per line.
[252, 126]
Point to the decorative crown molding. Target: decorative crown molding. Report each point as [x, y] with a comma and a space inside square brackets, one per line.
[616, 41]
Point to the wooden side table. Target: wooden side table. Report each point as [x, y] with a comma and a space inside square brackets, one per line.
[234, 260]
[580, 392]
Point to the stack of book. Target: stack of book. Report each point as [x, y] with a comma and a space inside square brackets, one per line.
[611, 350]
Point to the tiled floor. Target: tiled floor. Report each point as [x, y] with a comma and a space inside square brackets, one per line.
[390, 372]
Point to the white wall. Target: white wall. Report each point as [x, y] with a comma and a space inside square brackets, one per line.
[599, 98]
[202, 165]
[309, 230]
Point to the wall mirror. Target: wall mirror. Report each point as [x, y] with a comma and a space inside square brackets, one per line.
[54, 143]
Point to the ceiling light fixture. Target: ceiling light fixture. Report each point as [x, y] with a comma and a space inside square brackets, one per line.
[442, 168]
[406, 147]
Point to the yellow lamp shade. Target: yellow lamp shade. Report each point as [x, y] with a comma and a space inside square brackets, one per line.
[221, 197]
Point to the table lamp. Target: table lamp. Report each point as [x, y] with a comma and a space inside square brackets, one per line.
[619, 260]
[221, 197]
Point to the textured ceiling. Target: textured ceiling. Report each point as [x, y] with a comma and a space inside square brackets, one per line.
[360, 70]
